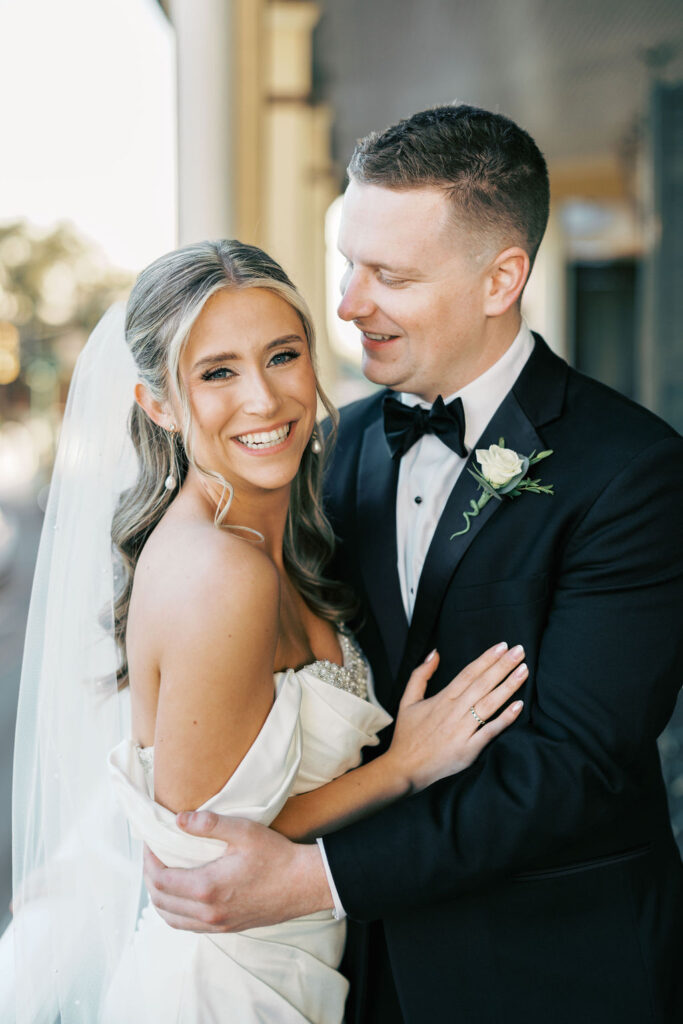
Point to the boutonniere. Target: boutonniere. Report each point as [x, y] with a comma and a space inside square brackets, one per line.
[503, 474]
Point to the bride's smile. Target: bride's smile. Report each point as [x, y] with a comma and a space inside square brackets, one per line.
[267, 440]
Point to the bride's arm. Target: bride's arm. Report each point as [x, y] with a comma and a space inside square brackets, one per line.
[216, 629]
[432, 738]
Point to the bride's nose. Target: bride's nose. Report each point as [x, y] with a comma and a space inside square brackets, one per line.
[261, 398]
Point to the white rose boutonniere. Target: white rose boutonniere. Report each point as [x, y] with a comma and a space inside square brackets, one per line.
[503, 474]
[500, 465]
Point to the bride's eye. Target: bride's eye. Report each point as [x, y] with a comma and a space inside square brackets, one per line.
[220, 373]
[286, 356]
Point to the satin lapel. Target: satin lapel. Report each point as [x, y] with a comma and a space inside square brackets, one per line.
[376, 509]
[445, 554]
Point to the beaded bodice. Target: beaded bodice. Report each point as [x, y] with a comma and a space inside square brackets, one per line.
[352, 675]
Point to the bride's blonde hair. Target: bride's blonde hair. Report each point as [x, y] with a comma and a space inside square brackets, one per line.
[164, 304]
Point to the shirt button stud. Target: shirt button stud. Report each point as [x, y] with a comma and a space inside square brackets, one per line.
[418, 500]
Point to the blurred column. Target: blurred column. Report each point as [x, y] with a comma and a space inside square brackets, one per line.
[253, 148]
[299, 179]
[250, 89]
[204, 43]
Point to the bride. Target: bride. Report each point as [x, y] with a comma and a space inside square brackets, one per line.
[206, 665]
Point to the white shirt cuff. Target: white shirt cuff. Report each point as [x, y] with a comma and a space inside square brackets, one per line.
[338, 912]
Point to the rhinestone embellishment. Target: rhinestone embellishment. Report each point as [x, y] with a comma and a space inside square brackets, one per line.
[146, 759]
[146, 755]
[351, 676]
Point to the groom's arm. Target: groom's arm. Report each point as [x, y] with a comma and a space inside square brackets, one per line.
[609, 669]
[608, 673]
[263, 878]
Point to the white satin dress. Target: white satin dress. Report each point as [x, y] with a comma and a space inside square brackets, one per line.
[322, 716]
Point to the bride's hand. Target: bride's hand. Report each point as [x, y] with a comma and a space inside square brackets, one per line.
[445, 733]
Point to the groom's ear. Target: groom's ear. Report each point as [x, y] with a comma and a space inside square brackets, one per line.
[160, 413]
[507, 276]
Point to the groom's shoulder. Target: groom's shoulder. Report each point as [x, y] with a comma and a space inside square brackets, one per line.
[586, 407]
[354, 420]
[597, 430]
[358, 415]
[612, 417]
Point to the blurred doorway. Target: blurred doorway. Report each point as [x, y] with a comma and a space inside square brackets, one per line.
[602, 306]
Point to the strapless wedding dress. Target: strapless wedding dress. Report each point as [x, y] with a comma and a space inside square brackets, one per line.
[321, 718]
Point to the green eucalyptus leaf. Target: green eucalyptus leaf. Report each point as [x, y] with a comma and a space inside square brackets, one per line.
[476, 474]
[541, 455]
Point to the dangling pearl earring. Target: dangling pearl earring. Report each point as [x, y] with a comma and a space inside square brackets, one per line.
[170, 482]
[316, 446]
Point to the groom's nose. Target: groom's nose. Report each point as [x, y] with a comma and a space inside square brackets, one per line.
[356, 301]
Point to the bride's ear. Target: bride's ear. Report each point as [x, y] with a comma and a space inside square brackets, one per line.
[159, 413]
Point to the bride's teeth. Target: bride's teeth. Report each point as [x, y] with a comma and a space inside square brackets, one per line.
[378, 337]
[266, 439]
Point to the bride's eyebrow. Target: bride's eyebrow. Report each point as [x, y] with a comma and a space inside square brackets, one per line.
[231, 357]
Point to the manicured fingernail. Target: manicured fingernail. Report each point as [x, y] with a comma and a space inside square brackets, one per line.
[517, 706]
[430, 656]
[500, 648]
[517, 651]
[521, 670]
[183, 819]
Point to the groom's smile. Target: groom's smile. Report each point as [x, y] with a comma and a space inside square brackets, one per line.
[372, 341]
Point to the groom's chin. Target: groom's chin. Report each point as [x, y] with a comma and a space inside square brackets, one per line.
[380, 371]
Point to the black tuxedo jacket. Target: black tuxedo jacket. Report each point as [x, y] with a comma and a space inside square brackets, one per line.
[543, 883]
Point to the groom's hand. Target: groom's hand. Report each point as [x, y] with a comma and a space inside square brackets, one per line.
[261, 879]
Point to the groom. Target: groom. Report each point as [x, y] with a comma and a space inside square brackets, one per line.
[544, 882]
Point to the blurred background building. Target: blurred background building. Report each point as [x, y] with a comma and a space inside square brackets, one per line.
[156, 122]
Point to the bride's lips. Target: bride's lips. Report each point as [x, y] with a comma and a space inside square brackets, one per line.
[271, 449]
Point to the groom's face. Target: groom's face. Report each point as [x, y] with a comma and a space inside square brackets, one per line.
[414, 286]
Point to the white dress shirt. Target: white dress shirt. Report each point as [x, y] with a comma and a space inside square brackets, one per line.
[430, 469]
[428, 472]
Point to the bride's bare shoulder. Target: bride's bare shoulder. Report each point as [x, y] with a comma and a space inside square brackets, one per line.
[205, 612]
[192, 568]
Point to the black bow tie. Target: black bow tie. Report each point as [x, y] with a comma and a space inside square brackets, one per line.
[406, 424]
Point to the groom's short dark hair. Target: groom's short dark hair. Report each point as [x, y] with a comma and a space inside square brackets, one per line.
[490, 168]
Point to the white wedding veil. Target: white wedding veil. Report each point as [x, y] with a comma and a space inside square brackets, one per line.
[76, 872]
